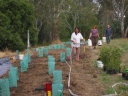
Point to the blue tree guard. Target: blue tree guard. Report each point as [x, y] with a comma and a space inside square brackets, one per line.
[55, 46]
[57, 77]
[12, 68]
[40, 52]
[12, 79]
[68, 52]
[51, 67]
[4, 87]
[62, 56]
[45, 51]
[57, 89]
[29, 57]
[51, 58]
[24, 64]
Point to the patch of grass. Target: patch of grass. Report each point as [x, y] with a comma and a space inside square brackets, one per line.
[122, 90]
[109, 80]
[104, 74]
[105, 79]
[110, 91]
[94, 63]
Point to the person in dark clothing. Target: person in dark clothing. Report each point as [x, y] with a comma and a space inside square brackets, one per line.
[108, 34]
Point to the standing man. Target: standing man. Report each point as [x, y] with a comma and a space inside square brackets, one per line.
[75, 39]
[108, 34]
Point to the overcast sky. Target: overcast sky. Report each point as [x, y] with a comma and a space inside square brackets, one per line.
[94, 1]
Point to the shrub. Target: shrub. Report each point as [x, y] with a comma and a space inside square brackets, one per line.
[16, 18]
[111, 58]
[124, 71]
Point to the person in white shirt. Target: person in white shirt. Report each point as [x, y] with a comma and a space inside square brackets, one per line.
[75, 39]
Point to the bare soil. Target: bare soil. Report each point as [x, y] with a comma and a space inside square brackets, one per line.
[84, 76]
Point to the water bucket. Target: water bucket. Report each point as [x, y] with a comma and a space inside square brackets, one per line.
[104, 39]
[89, 42]
[99, 42]
[21, 56]
[99, 64]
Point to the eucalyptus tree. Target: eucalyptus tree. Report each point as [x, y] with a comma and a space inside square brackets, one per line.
[47, 15]
[114, 11]
[40, 17]
[120, 7]
[105, 13]
[57, 18]
[81, 13]
[126, 23]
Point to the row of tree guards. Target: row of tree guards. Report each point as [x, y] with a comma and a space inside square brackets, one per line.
[13, 77]
[57, 86]
[11, 81]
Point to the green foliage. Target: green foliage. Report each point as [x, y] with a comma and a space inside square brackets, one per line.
[116, 29]
[16, 42]
[71, 13]
[110, 91]
[81, 15]
[122, 90]
[104, 55]
[111, 57]
[33, 36]
[123, 87]
[123, 68]
[16, 19]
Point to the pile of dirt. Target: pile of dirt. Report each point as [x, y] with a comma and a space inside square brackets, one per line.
[84, 76]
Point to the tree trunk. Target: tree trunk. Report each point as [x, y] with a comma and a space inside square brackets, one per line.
[122, 22]
[122, 28]
[126, 32]
[75, 21]
[55, 30]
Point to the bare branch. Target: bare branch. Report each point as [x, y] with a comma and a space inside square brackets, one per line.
[125, 8]
[68, 23]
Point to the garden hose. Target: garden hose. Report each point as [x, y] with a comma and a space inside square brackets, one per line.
[70, 80]
[70, 73]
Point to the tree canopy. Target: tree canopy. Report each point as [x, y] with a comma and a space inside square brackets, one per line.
[113, 12]
[16, 18]
[52, 20]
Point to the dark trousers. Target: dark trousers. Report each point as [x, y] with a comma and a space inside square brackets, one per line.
[108, 39]
[94, 40]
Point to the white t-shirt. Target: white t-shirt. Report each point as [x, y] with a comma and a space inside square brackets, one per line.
[76, 39]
